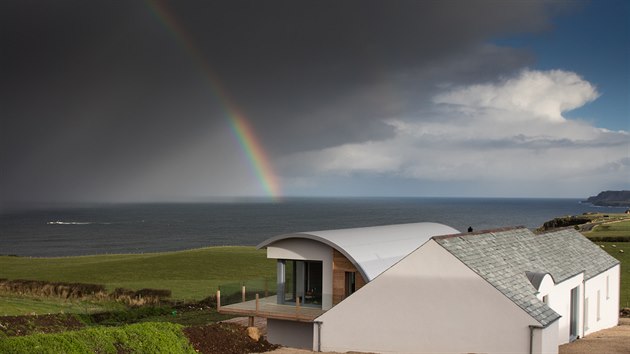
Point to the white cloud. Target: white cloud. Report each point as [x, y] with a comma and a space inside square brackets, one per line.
[539, 94]
[512, 130]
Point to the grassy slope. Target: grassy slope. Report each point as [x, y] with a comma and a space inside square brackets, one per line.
[192, 274]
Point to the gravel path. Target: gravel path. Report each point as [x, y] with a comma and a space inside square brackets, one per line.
[614, 340]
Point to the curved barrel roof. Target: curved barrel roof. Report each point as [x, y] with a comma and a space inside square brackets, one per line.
[373, 249]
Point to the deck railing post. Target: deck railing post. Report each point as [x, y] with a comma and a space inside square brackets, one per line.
[297, 307]
[257, 303]
[266, 287]
[243, 292]
[218, 299]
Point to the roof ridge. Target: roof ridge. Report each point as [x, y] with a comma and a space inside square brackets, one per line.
[557, 229]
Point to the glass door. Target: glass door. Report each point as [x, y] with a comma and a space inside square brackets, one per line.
[574, 314]
[300, 280]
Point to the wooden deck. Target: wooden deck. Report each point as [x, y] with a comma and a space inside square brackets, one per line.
[269, 308]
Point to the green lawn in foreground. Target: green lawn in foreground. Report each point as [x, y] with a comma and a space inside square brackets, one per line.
[190, 275]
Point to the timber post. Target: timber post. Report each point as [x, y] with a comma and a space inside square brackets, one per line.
[297, 307]
[266, 287]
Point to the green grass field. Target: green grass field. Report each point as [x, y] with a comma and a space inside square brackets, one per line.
[12, 305]
[620, 230]
[615, 229]
[614, 249]
[191, 275]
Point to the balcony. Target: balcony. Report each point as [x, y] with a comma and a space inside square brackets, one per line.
[268, 307]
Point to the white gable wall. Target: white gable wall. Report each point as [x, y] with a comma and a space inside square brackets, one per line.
[607, 284]
[546, 286]
[429, 302]
[308, 250]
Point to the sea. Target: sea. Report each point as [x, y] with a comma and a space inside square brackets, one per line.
[88, 229]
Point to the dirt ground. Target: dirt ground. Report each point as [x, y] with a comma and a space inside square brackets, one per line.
[25, 325]
[225, 338]
[614, 340]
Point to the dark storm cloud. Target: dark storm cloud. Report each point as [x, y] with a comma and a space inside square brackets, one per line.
[299, 65]
[94, 92]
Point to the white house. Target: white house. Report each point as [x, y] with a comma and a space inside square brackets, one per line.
[426, 288]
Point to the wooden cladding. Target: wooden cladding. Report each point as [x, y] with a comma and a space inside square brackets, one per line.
[341, 265]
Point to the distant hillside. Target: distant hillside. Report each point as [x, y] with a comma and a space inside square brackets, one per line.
[611, 198]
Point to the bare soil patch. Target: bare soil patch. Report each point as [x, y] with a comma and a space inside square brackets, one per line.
[25, 325]
[228, 338]
[614, 340]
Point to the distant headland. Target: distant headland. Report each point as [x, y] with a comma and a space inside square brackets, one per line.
[611, 198]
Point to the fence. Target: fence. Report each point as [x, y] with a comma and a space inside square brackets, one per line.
[235, 292]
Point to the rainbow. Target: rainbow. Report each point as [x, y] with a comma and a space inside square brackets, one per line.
[239, 125]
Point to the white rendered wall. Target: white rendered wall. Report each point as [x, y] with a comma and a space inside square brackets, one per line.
[290, 333]
[546, 339]
[559, 299]
[308, 250]
[608, 301]
[545, 287]
[428, 302]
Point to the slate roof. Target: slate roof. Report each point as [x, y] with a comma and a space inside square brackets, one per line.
[502, 257]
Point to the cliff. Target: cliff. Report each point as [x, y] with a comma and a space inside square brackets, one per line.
[611, 198]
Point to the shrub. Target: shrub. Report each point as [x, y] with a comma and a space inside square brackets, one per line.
[136, 338]
[564, 222]
[159, 293]
[141, 297]
[52, 289]
[129, 316]
[609, 238]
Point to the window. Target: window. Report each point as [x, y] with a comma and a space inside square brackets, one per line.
[574, 313]
[585, 313]
[607, 287]
[546, 299]
[350, 287]
[598, 314]
[300, 281]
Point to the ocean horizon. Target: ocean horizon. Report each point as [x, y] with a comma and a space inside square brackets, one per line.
[87, 229]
